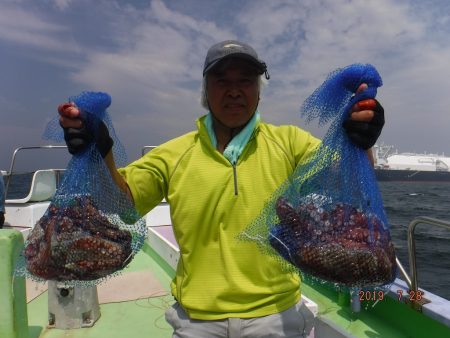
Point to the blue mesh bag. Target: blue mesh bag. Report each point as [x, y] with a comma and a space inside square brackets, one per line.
[91, 229]
[327, 220]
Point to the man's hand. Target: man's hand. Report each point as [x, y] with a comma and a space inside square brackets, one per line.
[77, 135]
[366, 121]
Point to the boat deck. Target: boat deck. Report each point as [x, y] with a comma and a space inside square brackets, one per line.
[141, 317]
[144, 316]
[140, 313]
[135, 307]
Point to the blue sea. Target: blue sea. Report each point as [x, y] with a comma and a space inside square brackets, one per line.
[403, 202]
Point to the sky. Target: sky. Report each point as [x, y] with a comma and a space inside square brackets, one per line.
[148, 55]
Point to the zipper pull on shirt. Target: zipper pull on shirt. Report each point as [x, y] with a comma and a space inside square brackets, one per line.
[235, 179]
[236, 146]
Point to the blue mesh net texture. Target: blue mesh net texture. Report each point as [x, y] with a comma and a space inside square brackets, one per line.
[91, 229]
[93, 107]
[327, 220]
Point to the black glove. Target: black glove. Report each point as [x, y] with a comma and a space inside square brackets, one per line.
[365, 134]
[77, 139]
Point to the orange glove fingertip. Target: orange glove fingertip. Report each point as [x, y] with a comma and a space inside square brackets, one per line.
[368, 104]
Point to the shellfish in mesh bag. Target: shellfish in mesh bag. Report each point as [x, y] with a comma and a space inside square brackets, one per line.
[343, 245]
[91, 229]
[327, 219]
[76, 241]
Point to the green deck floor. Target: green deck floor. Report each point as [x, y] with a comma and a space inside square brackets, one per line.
[145, 317]
[141, 318]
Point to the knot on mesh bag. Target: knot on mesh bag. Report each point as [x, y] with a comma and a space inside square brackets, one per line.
[91, 229]
[327, 220]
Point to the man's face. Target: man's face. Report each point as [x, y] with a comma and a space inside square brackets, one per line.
[233, 92]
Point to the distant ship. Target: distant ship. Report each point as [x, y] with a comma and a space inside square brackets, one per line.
[393, 166]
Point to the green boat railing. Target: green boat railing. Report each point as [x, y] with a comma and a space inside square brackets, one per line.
[13, 316]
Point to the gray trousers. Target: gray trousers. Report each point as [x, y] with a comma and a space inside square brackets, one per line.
[295, 322]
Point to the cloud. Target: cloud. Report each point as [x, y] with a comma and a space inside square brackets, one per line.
[157, 69]
[303, 42]
[302, 38]
[24, 28]
[62, 4]
[149, 57]
[161, 44]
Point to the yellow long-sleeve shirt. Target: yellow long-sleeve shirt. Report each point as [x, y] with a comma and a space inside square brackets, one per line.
[219, 276]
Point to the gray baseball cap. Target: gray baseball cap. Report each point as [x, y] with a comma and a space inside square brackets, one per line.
[233, 48]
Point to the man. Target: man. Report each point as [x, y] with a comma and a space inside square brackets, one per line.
[216, 180]
[2, 201]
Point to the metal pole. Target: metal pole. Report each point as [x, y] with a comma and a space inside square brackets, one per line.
[144, 148]
[403, 271]
[412, 244]
[13, 160]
